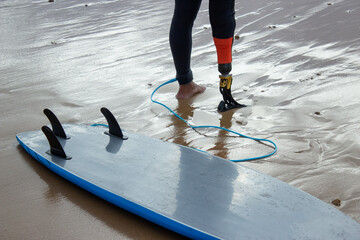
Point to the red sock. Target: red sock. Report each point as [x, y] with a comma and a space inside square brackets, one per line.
[223, 49]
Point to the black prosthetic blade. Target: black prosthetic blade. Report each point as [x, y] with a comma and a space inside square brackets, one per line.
[228, 100]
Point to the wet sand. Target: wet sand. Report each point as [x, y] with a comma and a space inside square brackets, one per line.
[296, 64]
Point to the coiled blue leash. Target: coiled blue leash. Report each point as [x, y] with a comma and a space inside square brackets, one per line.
[221, 128]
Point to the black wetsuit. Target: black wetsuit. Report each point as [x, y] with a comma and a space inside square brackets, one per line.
[222, 20]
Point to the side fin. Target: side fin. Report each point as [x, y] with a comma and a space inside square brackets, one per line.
[57, 128]
[114, 128]
[55, 146]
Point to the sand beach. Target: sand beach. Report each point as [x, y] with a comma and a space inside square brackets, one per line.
[296, 64]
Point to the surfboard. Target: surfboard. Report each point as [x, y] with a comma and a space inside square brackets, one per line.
[193, 193]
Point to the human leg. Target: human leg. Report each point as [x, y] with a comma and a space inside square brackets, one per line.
[185, 13]
[181, 43]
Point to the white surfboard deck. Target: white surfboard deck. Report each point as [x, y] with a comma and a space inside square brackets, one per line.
[187, 191]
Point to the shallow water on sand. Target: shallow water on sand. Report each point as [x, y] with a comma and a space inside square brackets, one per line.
[296, 64]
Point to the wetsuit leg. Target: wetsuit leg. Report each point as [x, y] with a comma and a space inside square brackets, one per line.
[181, 37]
[222, 19]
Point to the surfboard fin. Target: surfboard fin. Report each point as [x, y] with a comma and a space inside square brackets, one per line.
[55, 146]
[114, 127]
[57, 128]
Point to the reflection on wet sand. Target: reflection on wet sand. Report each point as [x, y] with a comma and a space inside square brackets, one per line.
[221, 147]
[185, 109]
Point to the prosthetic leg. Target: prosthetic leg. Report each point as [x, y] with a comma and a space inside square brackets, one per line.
[223, 49]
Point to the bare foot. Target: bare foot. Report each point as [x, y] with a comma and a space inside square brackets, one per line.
[188, 90]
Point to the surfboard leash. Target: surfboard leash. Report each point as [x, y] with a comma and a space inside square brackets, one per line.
[216, 127]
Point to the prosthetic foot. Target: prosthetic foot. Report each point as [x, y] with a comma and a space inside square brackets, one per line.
[225, 89]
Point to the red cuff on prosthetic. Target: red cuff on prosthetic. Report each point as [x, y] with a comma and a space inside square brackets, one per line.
[223, 49]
